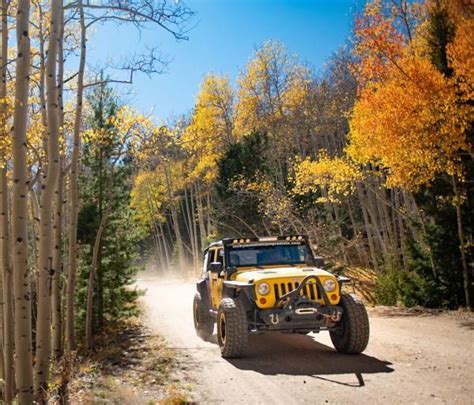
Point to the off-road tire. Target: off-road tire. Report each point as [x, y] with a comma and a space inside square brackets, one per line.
[352, 337]
[232, 328]
[203, 323]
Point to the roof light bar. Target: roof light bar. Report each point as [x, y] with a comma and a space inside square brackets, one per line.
[268, 239]
[289, 238]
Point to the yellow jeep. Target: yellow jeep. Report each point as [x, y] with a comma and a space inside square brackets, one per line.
[274, 284]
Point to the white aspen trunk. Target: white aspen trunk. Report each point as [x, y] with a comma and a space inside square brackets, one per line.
[177, 232]
[188, 220]
[74, 197]
[195, 236]
[48, 188]
[368, 230]
[372, 211]
[401, 229]
[34, 212]
[56, 310]
[165, 246]
[158, 253]
[7, 283]
[23, 343]
[56, 299]
[174, 216]
[200, 213]
[42, 76]
[6, 271]
[208, 212]
[2, 332]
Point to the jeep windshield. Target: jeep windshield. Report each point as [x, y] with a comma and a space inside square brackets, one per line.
[259, 255]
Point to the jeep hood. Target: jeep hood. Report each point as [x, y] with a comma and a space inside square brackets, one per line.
[279, 272]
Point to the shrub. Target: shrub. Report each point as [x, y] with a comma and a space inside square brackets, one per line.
[407, 288]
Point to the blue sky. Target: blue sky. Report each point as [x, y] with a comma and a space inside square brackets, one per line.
[226, 33]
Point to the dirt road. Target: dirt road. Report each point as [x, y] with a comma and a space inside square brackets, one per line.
[410, 359]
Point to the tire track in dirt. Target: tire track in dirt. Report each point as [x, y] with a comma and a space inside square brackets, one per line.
[410, 359]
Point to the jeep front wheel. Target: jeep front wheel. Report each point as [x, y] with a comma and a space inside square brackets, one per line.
[352, 334]
[232, 328]
[203, 323]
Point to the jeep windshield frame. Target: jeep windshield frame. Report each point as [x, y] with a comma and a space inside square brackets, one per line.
[261, 254]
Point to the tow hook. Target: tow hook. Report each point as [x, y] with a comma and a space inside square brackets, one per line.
[306, 311]
[274, 319]
[336, 317]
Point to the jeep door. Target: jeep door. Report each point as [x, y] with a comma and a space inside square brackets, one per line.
[216, 280]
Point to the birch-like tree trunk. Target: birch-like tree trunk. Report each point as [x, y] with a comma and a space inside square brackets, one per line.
[6, 271]
[174, 217]
[200, 214]
[7, 283]
[165, 245]
[48, 188]
[56, 310]
[74, 196]
[56, 299]
[23, 344]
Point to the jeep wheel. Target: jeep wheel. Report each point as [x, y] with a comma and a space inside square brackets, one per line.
[352, 335]
[203, 323]
[232, 328]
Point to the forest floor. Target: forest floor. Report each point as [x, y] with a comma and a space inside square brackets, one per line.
[414, 356]
[130, 365]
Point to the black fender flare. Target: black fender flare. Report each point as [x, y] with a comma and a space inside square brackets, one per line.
[203, 289]
[244, 291]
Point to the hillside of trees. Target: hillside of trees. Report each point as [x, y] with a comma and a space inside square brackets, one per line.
[372, 157]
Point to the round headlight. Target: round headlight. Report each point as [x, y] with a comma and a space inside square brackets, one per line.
[263, 288]
[329, 284]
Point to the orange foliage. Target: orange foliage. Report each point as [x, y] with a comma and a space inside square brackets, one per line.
[410, 119]
[377, 43]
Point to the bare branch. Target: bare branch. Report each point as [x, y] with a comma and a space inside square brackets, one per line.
[171, 16]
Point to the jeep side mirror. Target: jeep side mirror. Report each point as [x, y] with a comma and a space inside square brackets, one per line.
[216, 267]
[318, 261]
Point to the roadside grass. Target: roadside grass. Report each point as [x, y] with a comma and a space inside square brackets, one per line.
[129, 366]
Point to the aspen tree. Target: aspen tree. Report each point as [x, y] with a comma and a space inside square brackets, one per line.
[48, 187]
[58, 215]
[74, 195]
[7, 281]
[23, 343]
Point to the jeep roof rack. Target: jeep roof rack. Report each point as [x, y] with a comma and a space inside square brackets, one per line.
[238, 241]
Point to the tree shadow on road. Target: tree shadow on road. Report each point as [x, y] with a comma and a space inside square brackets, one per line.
[301, 355]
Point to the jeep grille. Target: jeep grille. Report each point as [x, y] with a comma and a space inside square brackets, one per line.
[310, 290]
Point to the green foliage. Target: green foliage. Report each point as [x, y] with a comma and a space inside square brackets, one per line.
[440, 33]
[105, 186]
[442, 239]
[243, 160]
[397, 287]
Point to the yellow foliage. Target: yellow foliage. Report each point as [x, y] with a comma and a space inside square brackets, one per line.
[154, 190]
[147, 198]
[335, 176]
[275, 205]
[272, 85]
[210, 128]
